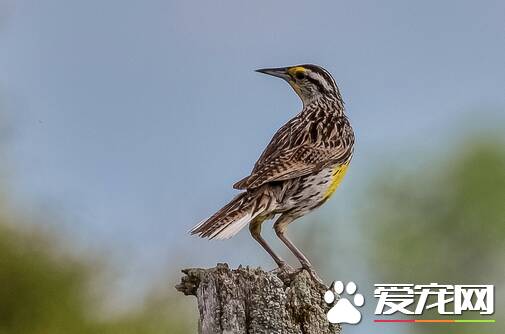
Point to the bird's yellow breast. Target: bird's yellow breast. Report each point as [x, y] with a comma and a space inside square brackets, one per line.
[337, 176]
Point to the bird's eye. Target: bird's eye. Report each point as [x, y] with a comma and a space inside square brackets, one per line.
[300, 75]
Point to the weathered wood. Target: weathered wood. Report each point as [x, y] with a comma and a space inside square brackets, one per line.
[252, 301]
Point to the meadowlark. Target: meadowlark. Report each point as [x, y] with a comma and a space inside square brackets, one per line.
[298, 171]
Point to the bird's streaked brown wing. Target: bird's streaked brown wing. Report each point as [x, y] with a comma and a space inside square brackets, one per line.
[295, 151]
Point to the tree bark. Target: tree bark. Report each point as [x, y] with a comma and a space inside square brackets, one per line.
[252, 301]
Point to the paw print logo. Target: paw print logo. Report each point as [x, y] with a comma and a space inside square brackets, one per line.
[344, 311]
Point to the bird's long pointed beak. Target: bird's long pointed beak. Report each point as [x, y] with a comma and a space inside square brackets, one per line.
[280, 72]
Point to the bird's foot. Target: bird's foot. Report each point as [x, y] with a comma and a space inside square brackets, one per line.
[284, 268]
[316, 278]
[285, 272]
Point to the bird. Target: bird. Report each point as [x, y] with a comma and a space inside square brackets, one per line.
[297, 172]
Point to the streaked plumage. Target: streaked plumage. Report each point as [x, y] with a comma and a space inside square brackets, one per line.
[300, 168]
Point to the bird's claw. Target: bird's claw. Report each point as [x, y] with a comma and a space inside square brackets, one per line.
[316, 278]
[284, 268]
[285, 272]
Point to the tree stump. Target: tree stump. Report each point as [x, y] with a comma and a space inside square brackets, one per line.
[252, 301]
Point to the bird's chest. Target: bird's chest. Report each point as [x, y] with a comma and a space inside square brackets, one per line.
[316, 188]
[337, 175]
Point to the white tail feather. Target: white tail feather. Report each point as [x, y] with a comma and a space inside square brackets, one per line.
[233, 228]
[194, 228]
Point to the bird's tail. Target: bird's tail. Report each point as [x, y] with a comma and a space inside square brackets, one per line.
[230, 219]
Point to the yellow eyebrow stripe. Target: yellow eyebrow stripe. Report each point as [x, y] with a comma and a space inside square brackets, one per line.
[293, 70]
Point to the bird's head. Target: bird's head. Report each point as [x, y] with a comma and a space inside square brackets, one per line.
[310, 82]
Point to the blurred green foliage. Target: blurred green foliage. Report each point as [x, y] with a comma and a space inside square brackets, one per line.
[42, 290]
[444, 223]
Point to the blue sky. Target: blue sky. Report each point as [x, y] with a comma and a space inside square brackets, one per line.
[130, 120]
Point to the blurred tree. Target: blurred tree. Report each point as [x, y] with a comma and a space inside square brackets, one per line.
[38, 292]
[44, 290]
[444, 224]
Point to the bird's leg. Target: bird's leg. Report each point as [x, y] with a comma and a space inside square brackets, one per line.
[255, 229]
[280, 228]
